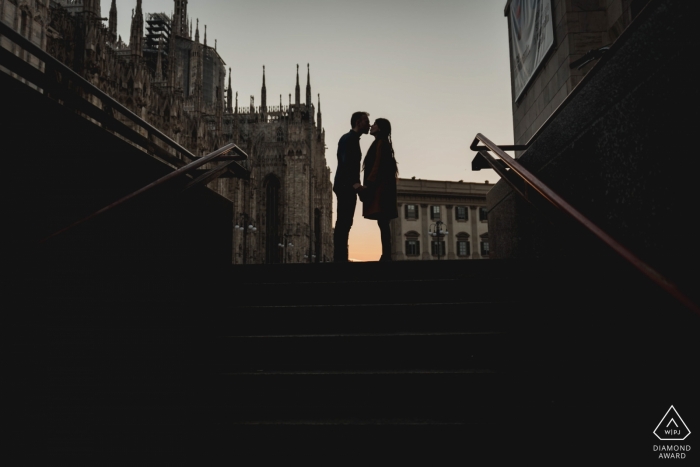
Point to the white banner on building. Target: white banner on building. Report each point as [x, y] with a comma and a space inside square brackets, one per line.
[532, 36]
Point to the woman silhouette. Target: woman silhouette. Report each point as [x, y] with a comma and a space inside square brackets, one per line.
[378, 194]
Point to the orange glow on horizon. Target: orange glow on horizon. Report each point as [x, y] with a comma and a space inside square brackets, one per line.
[365, 243]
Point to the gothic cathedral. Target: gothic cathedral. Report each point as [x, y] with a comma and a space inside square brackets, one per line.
[288, 198]
[175, 82]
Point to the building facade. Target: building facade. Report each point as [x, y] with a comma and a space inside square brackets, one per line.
[578, 27]
[455, 211]
[169, 77]
[288, 199]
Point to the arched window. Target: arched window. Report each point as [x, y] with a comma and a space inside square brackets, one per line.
[272, 220]
[484, 244]
[463, 246]
[280, 135]
[412, 243]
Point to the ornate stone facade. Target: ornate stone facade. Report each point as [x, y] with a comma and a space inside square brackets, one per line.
[289, 195]
[175, 82]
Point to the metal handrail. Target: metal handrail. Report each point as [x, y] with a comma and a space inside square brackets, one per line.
[176, 173]
[557, 201]
[26, 71]
[107, 100]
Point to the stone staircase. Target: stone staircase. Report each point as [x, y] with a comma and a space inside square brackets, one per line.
[330, 362]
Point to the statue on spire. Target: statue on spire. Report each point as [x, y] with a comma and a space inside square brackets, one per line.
[229, 94]
[113, 21]
[296, 90]
[136, 39]
[263, 94]
[308, 88]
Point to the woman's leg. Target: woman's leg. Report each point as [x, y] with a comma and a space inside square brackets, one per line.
[385, 232]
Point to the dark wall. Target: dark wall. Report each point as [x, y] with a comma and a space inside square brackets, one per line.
[62, 168]
[622, 151]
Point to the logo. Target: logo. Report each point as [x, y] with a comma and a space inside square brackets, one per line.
[672, 427]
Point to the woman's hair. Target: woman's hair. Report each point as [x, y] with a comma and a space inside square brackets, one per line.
[385, 134]
[384, 128]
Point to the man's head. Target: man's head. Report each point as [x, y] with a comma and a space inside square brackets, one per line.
[360, 122]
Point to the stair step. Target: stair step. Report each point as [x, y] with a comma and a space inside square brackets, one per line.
[196, 437]
[372, 352]
[261, 320]
[405, 391]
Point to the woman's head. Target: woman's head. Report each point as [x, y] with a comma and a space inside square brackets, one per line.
[381, 128]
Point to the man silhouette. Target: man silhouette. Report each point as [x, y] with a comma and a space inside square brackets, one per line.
[347, 183]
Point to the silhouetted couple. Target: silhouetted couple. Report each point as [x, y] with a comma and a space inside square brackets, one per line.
[378, 190]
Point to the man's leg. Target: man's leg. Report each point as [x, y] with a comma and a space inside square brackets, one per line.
[343, 222]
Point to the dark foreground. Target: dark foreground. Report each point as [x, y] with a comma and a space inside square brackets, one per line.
[485, 360]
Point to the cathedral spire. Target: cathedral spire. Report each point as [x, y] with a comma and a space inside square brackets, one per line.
[236, 102]
[263, 94]
[229, 94]
[159, 65]
[296, 90]
[173, 81]
[318, 113]
[180, 18]
[205, 35]
[196, 55]
[308, 88]
[113, 21]
[136, 39]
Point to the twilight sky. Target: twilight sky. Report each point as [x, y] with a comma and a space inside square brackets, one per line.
[438, 70]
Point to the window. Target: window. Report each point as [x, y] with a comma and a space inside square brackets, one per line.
[461, 213]
[485, 248]
[437, 248]
[411, 211]
[463, 245]
[485, 244]
[483, 215]
[412, 243]
[412, 247]
[463, 248]
[435, 213]
[280, 135]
